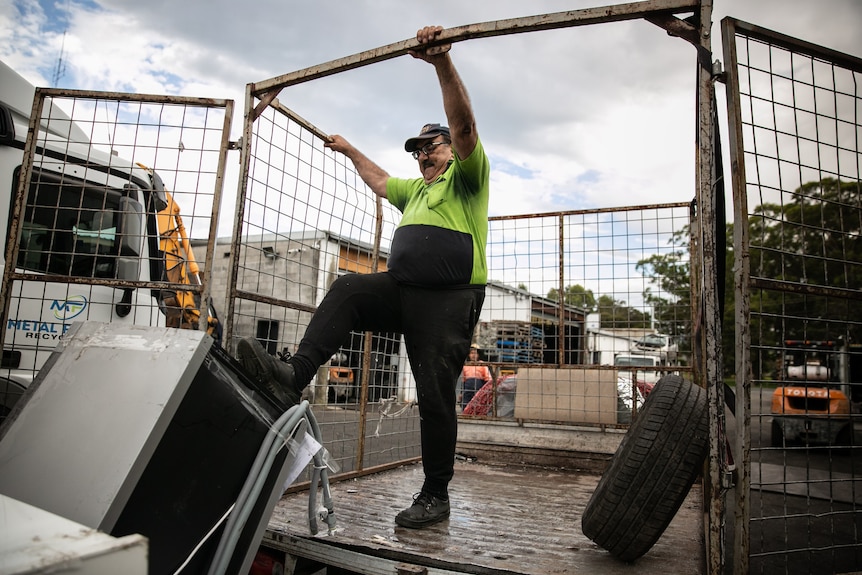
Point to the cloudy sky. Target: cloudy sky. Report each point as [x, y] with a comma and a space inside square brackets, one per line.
[586, 117]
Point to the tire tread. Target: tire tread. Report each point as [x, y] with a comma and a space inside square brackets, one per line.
[651, 472]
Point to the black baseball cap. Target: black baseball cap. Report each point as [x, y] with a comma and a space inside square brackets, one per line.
[428, 132]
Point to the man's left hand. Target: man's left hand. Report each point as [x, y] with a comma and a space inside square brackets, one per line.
[426, 35]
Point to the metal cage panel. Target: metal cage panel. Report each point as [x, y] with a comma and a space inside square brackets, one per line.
[795, 123]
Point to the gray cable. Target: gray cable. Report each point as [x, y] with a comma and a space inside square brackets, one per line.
[276, 437]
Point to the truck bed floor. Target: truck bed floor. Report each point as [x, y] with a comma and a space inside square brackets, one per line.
[504, 519]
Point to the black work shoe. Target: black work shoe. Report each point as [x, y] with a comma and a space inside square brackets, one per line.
[426, 510]
[278, 376]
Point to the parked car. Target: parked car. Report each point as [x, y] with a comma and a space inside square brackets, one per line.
[636, 378]
[656, 344]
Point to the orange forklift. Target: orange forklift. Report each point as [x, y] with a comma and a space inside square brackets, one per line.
[812, 404]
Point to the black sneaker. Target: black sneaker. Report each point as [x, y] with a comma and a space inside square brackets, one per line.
[426, 510]
[278, 376]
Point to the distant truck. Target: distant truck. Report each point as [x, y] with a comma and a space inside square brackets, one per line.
[656, 344]
[644, 369]
[812, 405]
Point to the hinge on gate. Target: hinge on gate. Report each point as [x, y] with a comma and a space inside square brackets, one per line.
[234, 145]
[718, 73]
[728, 478]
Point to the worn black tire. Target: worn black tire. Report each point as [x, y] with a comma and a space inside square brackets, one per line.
[651, 472]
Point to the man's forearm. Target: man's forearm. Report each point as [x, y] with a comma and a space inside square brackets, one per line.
[456, 104]
[372, 174]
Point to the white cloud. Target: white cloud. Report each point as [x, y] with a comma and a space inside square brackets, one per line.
[584, 117]
[23, 45]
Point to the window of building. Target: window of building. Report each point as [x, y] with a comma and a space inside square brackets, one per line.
[267, 334]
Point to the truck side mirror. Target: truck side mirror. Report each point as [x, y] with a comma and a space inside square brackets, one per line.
[124, 306]
[131, 232]
[131, 247]
[159, 198]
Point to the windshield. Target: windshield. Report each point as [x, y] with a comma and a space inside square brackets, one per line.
[652, 340]
[627, 361]
[69, 228]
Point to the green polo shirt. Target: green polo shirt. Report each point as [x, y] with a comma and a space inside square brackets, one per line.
[443, 232]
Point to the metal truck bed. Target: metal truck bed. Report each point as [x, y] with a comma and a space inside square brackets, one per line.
[505, 519]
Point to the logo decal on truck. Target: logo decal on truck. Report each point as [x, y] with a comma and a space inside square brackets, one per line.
[65, 310]
[38, 329]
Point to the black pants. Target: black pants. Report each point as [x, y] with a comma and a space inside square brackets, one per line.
[437, 325]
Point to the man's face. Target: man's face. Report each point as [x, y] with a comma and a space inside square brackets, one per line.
[433, 158]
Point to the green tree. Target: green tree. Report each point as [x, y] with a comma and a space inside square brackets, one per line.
[616, 314]
[575, 295]
[671, 274]
[809, 242]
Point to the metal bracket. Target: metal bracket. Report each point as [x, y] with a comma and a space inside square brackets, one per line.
[718, 73]
[728, 479]
[675, 27]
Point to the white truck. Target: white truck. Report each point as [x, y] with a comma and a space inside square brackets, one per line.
[88, 224]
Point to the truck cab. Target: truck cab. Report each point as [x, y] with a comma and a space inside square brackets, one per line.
[85, 223]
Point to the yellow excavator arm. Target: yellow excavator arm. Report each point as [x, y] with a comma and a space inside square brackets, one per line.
[182, 308]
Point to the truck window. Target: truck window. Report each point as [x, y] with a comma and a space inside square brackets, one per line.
[625, 361]
[69, 228]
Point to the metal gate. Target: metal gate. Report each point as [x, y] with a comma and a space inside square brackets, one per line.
[111, 192]
[304, 217]
[795, 113]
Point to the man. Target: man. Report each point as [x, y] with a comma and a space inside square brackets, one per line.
[433, 289]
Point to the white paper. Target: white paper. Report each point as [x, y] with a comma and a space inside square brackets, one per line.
[302, 451]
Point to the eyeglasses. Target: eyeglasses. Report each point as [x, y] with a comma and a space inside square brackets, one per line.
[426, 149]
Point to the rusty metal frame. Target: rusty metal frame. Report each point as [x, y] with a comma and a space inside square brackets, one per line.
[705, 293]
[741, 280]
[659, 10]
[705, 256]
[744, 281]
[18, 200]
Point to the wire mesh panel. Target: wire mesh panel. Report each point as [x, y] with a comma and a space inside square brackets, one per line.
[111, 189]
[306, 219]
[592, 354]
[798, 145]
[623, 319]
